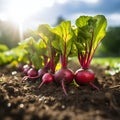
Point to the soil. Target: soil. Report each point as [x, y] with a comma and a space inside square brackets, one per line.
[24, 101]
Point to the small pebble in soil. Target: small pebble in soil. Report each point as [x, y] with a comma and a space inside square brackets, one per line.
[45, 101]
[25, 88]
[72, 92]
[42, 99]
[2, 78]
[16, 78]
[63, 106]
[14, 73]
[9, 104]
[21, 105]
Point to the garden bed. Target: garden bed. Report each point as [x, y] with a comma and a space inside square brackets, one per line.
[24, 101]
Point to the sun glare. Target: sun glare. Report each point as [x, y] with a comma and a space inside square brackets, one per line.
[20, 10]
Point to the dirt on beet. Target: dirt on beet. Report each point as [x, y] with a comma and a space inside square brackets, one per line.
[24, 101]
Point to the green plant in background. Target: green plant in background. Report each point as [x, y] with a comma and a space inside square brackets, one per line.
[110, 45]
[115, 68]
[9, 34]
[112, 63]
[33, 51]
[3, 48]
[13, 55]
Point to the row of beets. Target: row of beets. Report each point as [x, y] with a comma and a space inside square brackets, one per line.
[64, 41]
[62, 76]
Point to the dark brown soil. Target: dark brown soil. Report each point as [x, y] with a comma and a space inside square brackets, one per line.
[24, 101]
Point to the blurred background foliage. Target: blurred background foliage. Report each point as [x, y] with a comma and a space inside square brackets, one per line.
[9, 34]
[109, 47]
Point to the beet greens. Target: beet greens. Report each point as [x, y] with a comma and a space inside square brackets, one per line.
[46, 36]
[89, 33]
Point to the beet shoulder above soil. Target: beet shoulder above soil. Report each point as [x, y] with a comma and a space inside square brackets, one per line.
[24, 101]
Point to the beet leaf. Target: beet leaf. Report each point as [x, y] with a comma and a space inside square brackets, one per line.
[33, 51]
[44, 31]
[63, 41]
[89, 33]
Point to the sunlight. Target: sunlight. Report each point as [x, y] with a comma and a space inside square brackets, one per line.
[22, 9]
[3, 17]
[19, 11]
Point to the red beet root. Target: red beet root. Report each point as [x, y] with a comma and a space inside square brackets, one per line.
[85, 77]
[47, 78]
[63, 76]
[32, 72]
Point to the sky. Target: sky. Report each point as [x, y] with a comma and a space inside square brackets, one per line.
[31, 13]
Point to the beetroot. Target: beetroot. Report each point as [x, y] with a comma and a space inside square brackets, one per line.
[63, 76]
[32, 72]
[64, 73]
[84, 76]
[47, 78]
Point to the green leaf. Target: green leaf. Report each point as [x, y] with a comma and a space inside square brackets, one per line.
[44, 32]
[47, 36]
[36, 61]
[82, 21]
[100, 28]
[55, 44]
[3, 48]
[89, 33]
[64, 35]
[34, 50]
[91, 29]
